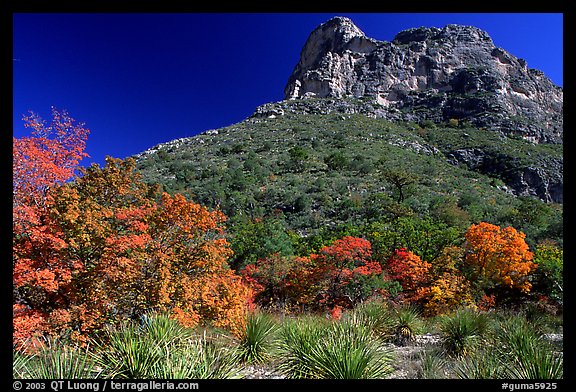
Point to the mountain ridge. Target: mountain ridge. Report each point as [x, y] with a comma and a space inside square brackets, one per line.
[436, 74]
[324, 161]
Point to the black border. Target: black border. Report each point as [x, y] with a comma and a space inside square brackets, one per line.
[9, 7]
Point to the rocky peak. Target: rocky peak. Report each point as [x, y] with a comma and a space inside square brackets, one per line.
[452, 32]
[438, 74]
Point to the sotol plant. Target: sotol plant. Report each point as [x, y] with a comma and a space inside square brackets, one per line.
[338, 350]
[256, 341]
[55, 360]
[462, 331]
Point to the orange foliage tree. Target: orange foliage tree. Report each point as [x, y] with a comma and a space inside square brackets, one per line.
[141, 250]
[126, 249]
[498, 257]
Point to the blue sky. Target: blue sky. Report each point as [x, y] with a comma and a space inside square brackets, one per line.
[137, 80]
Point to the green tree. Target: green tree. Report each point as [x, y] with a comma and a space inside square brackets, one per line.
[549, 274]
[254, 239]
[401, 179]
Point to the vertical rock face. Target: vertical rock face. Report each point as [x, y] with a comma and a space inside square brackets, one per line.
[455, 72]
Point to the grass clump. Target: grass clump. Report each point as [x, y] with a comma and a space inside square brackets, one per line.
[335, 350]
[256, 342]
[463, 331]
[55, 360]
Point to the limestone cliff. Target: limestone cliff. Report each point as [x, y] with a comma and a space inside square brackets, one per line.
[436, 74]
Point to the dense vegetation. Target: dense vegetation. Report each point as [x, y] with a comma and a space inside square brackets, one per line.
[319, 173]
[293, 184]
[351, 230]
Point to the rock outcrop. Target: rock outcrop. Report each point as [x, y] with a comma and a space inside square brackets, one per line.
[436, 74]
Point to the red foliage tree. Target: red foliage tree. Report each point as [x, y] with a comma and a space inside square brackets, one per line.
[346, 272]
[340, 275]
[41, 162]
[412, 272]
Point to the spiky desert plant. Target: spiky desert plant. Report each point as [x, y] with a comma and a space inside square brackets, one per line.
[159, 347]
[434, 365]
[129, 353]
[200, 358]
[525, 354]
[340, 350]
[462, 331]
[57, 360]
[298, 337]
[160, 327]
[256, 341]
[407, 323]
[375, 315]
[481, 364]
[19, 364]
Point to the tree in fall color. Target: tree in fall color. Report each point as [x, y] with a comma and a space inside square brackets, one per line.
[498, 257]
[131, 250]
[281, 281]
[347, 272]
[41, 162]
[47, 158]
[338, 276]
[549, 276]
[449, 288]
[412, 272]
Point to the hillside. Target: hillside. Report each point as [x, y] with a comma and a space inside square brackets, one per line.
[327, 170]
[354, 144]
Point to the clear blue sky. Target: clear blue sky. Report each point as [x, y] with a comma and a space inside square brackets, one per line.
[137, 80]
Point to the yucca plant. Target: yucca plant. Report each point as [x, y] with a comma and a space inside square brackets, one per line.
[160, 347]
[256, 341]
[462, 331]
[340, 350]
[433, 365]
[57, 360]
[481, 364]
[162, 328]
[375, 315]
[298, 337]
[407, 323]
[20, 364]
[525, 355]
[130, 353]
[200, 358]
[350, 351]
